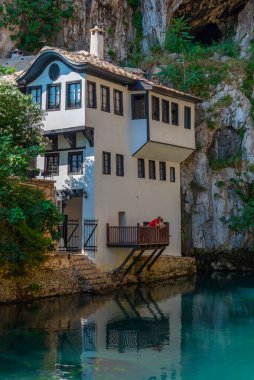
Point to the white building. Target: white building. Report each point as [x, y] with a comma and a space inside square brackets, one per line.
[116, 144]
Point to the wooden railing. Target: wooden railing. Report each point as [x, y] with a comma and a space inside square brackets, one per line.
[137, 235]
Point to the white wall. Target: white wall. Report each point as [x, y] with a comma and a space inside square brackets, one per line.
[141, 199]
[62, 118]
[169, 133]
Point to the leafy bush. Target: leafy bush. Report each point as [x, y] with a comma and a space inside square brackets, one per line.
[28, 221]
[35, 23]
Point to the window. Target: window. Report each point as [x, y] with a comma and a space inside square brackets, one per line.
[187, 117]
[172, 174]
[52, 164]
[152, 171]
[75, 163]
[162, 171]
[174, 113]
[141, 168]
[35, 92]
[118, 102]
[165, 111]
[91, 95]
[53, 96]
[106, 163]
[105, 100]
[155, 108]
[120, 165]
[73, 95]
[138, 106]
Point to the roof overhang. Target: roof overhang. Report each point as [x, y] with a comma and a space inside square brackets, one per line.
[45, 58]
[153, 150]
[162, 90]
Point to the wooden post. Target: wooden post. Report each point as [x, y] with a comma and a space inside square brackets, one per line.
[107, 225]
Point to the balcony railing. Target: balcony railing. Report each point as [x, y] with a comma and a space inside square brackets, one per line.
[130, 236]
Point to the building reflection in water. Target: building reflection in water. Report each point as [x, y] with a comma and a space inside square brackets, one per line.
[124, 338]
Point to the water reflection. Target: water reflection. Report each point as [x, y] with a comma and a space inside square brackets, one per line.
[165, 332]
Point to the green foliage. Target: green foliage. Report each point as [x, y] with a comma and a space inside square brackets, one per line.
[111, 54]
[35, 287]
[248, 82]
[224, 102]
[6, 70]
[137, 18]
[28, 222]
[242, 218]
[19, 117]
[227, 162]
[178, 37]
[196, 187]
[35, 23]
[195, 70]
[28, 226]
[210, 123]
[220, 183]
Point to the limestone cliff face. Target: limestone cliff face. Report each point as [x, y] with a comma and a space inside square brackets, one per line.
[203, 201]
[115, 16]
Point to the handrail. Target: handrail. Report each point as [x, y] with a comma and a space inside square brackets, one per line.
[137, 235]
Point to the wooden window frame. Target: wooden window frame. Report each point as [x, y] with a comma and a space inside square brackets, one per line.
[155, 108]
[164, 103]
[47, 97]
[187, 125]
[173, 121]
[104, 171]
[172, 174]
[107, 109]
[120, 111]
[152, 169]
[120, 165]
[70, 154]
[133, 109]
[141, 169]
[67, 93]
[94, 93]
[163, 171]
[47, 155]
[30, 89]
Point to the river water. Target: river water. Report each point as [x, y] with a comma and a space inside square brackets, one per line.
[185, 330]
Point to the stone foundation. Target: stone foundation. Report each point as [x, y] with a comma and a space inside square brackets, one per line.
[167, 267]
[66, 274]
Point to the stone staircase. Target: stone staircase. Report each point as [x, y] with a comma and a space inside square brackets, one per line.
[89, 277]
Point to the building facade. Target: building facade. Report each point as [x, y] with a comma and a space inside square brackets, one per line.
[116, 142]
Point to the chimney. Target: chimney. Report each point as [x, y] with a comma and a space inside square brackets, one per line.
[97, 42]
[16, 53]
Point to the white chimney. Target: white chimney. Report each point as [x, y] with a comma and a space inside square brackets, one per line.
[97, 42]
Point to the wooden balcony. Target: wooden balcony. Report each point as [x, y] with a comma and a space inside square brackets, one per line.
[137, 236]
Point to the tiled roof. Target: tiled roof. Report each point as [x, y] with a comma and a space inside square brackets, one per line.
[83, 57]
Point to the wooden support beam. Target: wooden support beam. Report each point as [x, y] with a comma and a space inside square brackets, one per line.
[146, 262]
[120, 268]
[156, 258]
[134, 262]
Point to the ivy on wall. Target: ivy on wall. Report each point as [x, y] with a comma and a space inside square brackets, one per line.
[34, 23]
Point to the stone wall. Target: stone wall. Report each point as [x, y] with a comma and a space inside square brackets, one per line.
[66, 274]
[167, 267]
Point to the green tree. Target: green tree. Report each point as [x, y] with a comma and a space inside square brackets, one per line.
[178, 39]
[35, 23]
[28, 221]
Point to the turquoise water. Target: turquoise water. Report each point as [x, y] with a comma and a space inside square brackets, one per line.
[180, 331]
